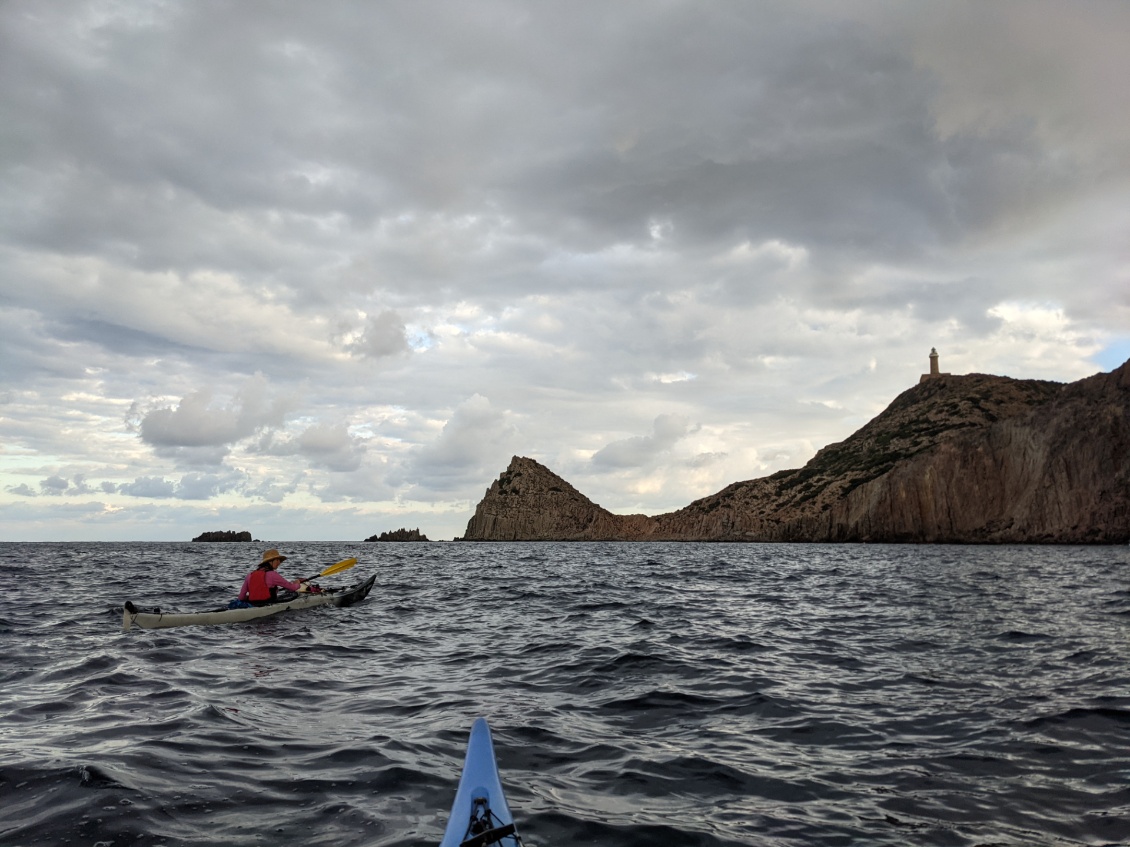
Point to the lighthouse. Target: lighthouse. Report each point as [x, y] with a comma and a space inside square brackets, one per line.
[935, 371]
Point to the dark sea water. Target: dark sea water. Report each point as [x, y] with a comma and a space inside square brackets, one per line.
[639, 694]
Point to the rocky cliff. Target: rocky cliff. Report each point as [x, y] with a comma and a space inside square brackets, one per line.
[973, 458]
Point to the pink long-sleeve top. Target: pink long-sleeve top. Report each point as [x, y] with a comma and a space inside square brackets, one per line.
[273, 580]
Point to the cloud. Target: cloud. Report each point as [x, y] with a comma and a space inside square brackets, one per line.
[150, 487]
[197, 421]
[57, 486]
[1041, 63]
[194, 456]
[271, 490]
[366, 485]
[54, 485]
[198, 486]
[191, 486]
[643, 450]
[332, 446]
[473, 445]
[383, 335]
[329, 446]
[200, 431]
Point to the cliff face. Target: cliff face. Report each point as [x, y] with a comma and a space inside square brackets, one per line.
[529, 502]
[972, 458]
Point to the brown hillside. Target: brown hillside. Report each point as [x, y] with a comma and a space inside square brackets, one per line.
[972, 458]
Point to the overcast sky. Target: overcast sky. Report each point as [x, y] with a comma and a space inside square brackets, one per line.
[318, 270]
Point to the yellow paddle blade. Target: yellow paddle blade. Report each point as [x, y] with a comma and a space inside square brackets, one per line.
[339, 567]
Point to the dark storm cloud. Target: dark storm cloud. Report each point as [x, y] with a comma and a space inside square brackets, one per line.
[724, 129]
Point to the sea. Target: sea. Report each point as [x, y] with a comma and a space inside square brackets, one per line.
[639, 694]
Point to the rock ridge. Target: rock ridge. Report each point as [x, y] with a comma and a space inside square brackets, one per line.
[971, 458]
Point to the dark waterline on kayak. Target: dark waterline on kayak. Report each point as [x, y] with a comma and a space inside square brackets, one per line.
[639, 694]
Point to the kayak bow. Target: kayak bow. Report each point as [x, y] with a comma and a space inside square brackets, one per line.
[479, 815]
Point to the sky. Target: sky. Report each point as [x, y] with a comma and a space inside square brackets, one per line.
[319, 270]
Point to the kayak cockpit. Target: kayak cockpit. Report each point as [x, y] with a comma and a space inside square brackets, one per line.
[480, 816]
[486, 829]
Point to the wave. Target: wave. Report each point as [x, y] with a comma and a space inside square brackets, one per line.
[658, 694]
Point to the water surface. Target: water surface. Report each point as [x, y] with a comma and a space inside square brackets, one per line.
[639, 694]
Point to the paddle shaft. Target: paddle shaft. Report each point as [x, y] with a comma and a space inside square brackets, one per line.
[343, 565]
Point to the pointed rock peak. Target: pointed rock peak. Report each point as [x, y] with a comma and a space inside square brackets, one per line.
[527, 476]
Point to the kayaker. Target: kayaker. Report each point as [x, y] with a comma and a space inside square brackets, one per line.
[261, 586]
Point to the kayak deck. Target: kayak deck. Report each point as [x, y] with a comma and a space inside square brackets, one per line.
[132, 616]
[480, 815]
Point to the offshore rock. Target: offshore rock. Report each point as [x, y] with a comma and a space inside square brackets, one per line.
[401, 534]
[955, 459]
[224, 535]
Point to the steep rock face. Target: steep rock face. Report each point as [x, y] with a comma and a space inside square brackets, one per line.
[1060, 473]
[972, 458]
[530, 502]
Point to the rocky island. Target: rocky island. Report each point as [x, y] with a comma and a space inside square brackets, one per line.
[399, 535]
[224, 535]
[967, 458]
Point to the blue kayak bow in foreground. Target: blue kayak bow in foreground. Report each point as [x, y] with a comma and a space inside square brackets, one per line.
[479, 815]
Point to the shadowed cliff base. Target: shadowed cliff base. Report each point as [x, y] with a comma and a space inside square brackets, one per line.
[955, 459]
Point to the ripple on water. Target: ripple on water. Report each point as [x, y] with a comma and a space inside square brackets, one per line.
[639, 694]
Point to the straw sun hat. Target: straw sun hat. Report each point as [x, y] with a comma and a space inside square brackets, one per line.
[272, 554]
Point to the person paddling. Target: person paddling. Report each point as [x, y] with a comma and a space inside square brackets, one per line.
[261, 585]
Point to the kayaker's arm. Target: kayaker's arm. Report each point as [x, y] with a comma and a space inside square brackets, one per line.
[275, 579]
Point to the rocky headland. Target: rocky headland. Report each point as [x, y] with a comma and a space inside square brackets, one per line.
[956, 459]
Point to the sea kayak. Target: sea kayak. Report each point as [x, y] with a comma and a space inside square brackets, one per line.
[479, 815]
[157, 619]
